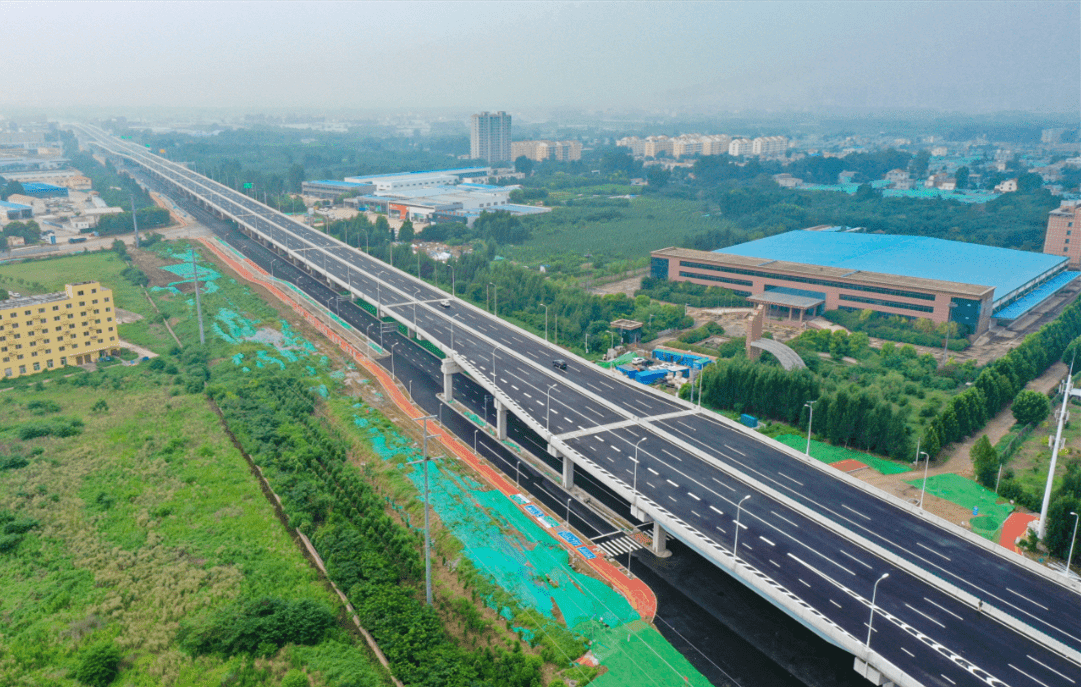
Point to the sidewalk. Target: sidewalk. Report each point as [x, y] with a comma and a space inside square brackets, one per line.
[637, 593]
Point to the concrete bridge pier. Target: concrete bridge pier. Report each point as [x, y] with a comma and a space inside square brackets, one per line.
[660, 544]
[448, 367]
[500, 420]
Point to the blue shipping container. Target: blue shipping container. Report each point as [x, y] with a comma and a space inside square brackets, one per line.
[651, 376]
[749, 420]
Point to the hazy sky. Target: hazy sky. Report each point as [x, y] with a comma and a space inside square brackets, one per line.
[963, 56]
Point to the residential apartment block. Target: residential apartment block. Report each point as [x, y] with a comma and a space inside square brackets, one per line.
[1060, 238]
[564, 151]
[72, 327]
[489, 137]
[741, 147]
[769, 146]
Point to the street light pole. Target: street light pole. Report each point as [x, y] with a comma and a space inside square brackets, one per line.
[548, 410]
[427, 508]
[1073, 541]
[634, 483]
[545, 322]
[810, 419]
[870, 620]
[926, 463]
[735, 544]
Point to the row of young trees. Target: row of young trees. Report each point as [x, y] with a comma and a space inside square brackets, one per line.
[372, 558]
[1001, 380]
[849, 417]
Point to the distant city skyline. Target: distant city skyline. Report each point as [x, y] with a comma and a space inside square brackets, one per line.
[677, 57]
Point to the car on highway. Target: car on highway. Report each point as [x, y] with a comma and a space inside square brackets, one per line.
[559, 364]
[445, 303]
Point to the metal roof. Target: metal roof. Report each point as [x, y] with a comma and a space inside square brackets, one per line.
[786, 299]
[912, 257]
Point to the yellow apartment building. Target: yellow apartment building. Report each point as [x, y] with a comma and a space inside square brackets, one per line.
[72, 327]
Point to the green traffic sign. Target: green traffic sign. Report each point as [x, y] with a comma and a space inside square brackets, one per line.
[247, 185]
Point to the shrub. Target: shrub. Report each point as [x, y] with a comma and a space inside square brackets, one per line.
[12, 462]
[99, 665]
[1030, 407]
[257, 626]
[57, 427]
[43, 407]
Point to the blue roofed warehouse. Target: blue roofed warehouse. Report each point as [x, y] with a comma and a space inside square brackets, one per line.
[803, 273]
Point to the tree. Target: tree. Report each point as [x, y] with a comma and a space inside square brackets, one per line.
[1060, 526]
[12, 188]
[99, 665]
[523, 165]
[961, 175]
[406, 234]
[296, 177]
[918, 168]
[984, 461]
[1030, 407]
[658, 177]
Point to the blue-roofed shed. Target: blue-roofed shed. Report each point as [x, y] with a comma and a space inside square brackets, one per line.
[37, 189]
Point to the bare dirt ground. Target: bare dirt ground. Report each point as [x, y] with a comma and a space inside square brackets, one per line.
[151, 264]
[625, 286]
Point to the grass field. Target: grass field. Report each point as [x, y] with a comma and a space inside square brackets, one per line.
[149, 516]
[646, 224]
[827, 453]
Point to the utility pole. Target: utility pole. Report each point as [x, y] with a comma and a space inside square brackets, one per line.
[198, 303]
[1042, 529]
[134, 220]
[427, 526]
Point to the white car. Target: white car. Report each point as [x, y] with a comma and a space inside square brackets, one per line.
[445, 303]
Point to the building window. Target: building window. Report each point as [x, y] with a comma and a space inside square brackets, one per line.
[7, 371]
[79, 293]
[22, 369]
[63, 361]
[49, 363]
[37, 367]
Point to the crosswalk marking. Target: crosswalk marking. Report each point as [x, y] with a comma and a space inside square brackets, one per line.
[620, 545]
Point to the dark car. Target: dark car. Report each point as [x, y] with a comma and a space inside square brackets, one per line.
[559, 364]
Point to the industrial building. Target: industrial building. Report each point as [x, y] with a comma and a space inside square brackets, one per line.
[16, 211]
[331, 188]
[489, 137]
[800, 274]
[72, 327]
[36, 189]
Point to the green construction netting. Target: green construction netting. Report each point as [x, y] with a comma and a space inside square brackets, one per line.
[637, 654]
[988, 515]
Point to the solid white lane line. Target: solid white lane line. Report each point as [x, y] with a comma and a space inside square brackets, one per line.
[1027, 675]
[775, 563]
[947, 679]
[835, 603]
[1041, 663]
[910, 654]
[790, 478]
[928, 548]
[723, 484]
[804, 583]
[671, 454]
[916, 610]
[855, 511]
[778, 515]
[854, 558]
[944, 610]
[1027, 599]
[695, 514]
